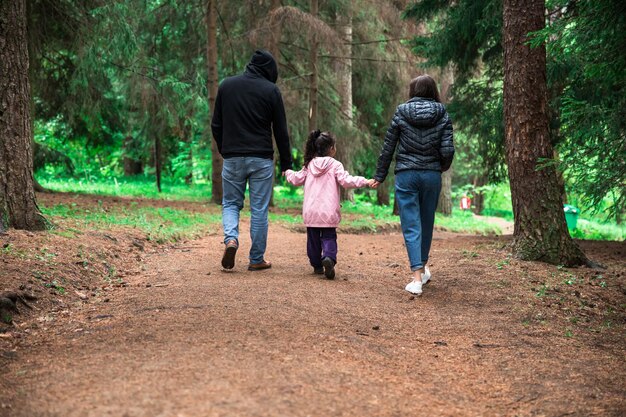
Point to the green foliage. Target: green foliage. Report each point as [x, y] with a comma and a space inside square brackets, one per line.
[595, 230]
[467, 35]
[586, 78]
[139, 186]
[498, 201]
[584, 43]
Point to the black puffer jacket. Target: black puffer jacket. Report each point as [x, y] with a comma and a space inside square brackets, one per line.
[424, 131]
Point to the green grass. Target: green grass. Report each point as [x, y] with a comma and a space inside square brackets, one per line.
[594, 230]
[159, 224]
[166, 224]
[363, 215]
[140, 186]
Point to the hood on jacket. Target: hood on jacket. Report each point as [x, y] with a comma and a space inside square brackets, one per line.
[264, 65]
[320, 165]
[422, 112]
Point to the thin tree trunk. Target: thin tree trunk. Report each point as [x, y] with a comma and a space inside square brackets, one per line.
[540, 230]
[478, 202]
[18, 207]
[313, 71]
[274, 39]
[343, 69]
[185, 137]
[216, 159]
[444, 206]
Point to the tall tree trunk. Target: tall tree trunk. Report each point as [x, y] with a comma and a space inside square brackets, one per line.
[540, 230]
[343, 69]
[313, 70]
[18, 207]
[274, 39]
[444, 206]
[216, 159]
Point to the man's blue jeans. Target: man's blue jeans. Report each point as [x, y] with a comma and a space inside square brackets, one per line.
[417, 193]
[236, 174]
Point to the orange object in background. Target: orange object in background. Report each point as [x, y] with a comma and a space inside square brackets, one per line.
[466, 203]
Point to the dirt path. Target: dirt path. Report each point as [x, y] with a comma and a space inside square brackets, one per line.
[182, 342]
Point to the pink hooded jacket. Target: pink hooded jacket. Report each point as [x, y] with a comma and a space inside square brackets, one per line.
[321, 181]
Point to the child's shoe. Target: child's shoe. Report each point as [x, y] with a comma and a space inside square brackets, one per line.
[329, 267]
[425, 275]
[319, 270]
[414, 287]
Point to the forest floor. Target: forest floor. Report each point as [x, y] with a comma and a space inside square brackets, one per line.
[125, 327]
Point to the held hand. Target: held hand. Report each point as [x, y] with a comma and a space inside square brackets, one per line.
[372, 183]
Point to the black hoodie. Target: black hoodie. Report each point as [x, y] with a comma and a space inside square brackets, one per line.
[247, 108]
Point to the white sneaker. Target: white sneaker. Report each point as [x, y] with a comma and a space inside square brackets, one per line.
[425, 276]
[414, 287]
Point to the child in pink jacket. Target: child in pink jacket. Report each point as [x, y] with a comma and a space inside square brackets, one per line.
[322, 175]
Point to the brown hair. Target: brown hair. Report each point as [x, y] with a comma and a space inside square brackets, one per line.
[424, 86]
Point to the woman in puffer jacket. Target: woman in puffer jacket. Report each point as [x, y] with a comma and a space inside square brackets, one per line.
[422, 131]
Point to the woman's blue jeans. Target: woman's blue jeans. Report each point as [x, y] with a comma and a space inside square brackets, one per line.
[417, 193]
[236, 174]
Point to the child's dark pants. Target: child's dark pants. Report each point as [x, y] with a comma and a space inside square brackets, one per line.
[321, 242]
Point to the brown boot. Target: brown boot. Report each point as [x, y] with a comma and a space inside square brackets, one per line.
[228, 260]
[260, 266]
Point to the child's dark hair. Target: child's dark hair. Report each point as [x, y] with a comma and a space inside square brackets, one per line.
[318, 144]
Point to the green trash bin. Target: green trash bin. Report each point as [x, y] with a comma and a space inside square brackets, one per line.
[571, 216]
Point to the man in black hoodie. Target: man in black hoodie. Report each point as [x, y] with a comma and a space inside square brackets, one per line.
[247, 108]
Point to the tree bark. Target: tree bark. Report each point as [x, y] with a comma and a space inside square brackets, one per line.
[540, 230]
[343, 69]
[444, 206]
[313, 72]
[216, 159]
[18, 207]
[274, 39]
[478, 202]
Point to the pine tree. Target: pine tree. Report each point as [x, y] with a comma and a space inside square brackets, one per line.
[18, 208]
[540, 229]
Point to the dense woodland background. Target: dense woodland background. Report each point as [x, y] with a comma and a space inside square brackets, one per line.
[123, 88]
